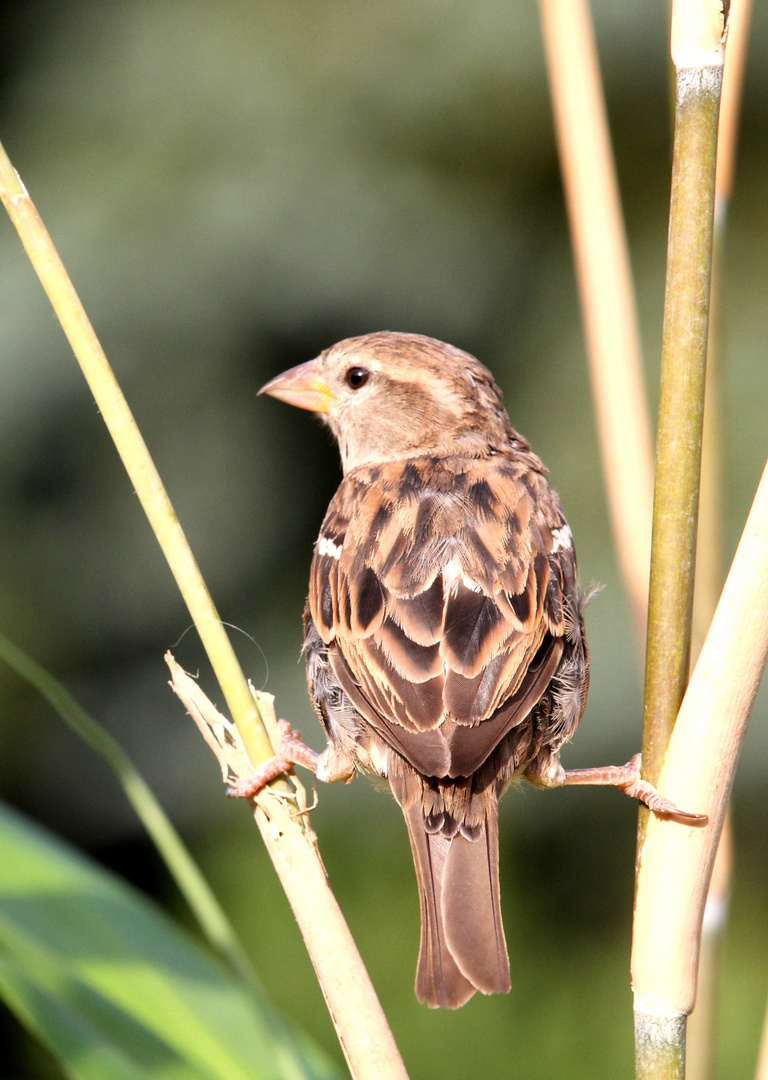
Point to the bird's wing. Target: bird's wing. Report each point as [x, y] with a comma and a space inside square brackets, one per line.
[442, 589]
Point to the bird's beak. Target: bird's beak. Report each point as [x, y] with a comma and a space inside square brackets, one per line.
[302, 386]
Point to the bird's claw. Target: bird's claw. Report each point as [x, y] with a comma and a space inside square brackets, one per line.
[627, 778]
[637, 788]
[290, 751]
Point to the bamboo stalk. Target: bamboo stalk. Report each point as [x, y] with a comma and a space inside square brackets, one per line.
[659, 1046]
[698, 771]
[362, 1028]
[681, 400]
[702, 1024]
[606, 291]
[697, 45]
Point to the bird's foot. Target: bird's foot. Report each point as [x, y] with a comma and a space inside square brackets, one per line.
[627, 778]
[290, 751]
[335, 766]
[547, 771]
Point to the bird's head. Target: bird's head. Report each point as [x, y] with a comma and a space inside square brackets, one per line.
[387, 396]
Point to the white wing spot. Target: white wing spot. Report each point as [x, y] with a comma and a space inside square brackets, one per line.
[562, 539]
[327, 547]
[453, 574]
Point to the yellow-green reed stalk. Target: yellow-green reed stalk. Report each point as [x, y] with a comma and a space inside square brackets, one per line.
[135, 456]
[360, 1023]
[661, 962]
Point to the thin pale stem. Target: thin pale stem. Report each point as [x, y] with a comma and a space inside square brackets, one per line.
[702, 1024]
[703, 1021]
[135, 456]
[698, 772]
[761, 1073]
[604, 279]
[739, 22]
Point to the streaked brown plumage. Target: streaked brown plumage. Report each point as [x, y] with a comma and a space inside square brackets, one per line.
[443, 633]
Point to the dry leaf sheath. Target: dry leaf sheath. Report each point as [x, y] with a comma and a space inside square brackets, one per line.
[443, 636]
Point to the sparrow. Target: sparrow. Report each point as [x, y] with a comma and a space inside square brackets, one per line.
[443, 633]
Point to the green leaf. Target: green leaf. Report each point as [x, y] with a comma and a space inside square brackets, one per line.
[111, 986]
[193, 886]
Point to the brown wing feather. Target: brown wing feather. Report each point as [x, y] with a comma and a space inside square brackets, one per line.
[441, 590]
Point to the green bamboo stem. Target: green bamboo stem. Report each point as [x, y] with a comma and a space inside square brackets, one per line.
[659, 1047]
[660, 1039]
[681, 407]
[659, 958]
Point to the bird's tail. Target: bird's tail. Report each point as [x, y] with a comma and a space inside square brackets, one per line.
[462, 938]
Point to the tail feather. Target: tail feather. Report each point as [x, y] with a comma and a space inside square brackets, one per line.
[439, 981]
[471, 910]
[462, 939]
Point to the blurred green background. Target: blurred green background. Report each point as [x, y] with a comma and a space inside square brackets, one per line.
[233, 187]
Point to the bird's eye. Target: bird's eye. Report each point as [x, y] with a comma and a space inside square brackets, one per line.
[356, 377]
